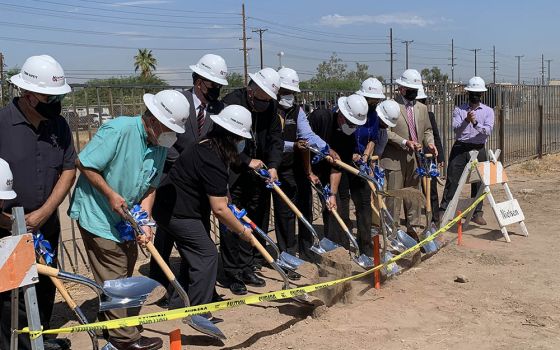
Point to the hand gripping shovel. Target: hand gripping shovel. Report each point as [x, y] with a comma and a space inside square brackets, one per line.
[320, 246]
[362, 260]
[284, 260]
[300, 297]
[197, 322]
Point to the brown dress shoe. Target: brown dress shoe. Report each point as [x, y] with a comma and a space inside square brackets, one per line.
[144, 343]
[479, 220]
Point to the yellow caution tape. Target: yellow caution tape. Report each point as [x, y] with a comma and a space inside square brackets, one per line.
[248, 300]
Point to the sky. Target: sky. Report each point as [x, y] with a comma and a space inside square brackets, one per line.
[99, 38]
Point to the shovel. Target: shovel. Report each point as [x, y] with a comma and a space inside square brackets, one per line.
[197, 322]
[320, 246]
[431, 246]
[362, 260]
[122, 293]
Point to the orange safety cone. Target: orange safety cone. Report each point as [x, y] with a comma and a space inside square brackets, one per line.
[175, 340]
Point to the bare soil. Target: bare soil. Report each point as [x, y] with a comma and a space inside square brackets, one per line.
[510, 299]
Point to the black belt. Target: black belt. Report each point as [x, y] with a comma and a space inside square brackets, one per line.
[470, 145]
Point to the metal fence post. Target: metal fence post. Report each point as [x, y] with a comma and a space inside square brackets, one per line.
[501, 134]
[540, 131]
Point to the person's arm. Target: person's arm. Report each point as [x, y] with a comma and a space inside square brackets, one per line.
[225, 216]
[459, 121]
[369, 150]
[305, 132]
[275, 141]
[147, 204]
[335, 182]
[487, 124]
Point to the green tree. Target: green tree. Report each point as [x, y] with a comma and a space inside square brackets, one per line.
[6, 84]
[145, 62]
[360, 74]
[332, 69]
[235, 80]
[433, 75]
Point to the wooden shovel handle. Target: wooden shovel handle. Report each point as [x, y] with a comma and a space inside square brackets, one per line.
[255, 243]
[340, 221]
[47, 270]
[59, 286]
[428, 194]
[159, 260]
[287, 201]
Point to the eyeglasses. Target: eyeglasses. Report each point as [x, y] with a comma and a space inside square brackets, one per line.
[55, 98]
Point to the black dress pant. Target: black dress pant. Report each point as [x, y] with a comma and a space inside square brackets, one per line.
[44, 289]
[250, 193]
[199, 260]
[434, 199]
[284, 217]
[304, 202]
[458, 159]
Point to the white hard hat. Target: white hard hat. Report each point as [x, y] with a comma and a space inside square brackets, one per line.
[389, 112]
[6, 181]
[371, 87]
[42, 74]
[421, 94]
[170, 107]
[212, 67]
[268, 80]
[476, 84]
[410, 79]
[235, 119]
[354, 108]
[289, 79]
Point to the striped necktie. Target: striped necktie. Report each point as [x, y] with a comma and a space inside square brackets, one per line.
[411, 123]
[200, 117]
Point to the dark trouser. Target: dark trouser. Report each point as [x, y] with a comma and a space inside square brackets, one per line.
[458, 159]
[434, 199]
[199, 260]
[251, 194]
[354, 187]
[304, 202]
[164, 245]
[284, 217]
[44, 289]
[111, 260]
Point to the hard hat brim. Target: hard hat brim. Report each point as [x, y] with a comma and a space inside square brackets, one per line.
[216, 119]
[18, 81]
[384, 117]
[405, 84]
[7, 195]
[476, 90]
[150, 104]
[346, 113]
[264, 88]
[290, 87]
[421, 97]
[365, 94]
[202, 73]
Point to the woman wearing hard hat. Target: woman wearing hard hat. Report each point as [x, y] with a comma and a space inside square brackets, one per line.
[197, 185]
[6, 181]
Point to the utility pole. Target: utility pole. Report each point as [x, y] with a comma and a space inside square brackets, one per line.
[519, 69]
[391, 56]
[494, 63]
[542, 69]
[475, 51]
[452, 61]
[2, 79]
[260, 31]
[244, 49]
[547, 63]
[407, 42]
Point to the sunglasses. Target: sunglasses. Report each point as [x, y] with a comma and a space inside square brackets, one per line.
[55, 98]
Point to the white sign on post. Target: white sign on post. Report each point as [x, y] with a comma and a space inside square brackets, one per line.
[508, 212]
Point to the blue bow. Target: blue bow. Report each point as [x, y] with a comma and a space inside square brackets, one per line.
[140, 216]
[320, 156]
[264, 173]
[434, 172]
[364, 167]
[43, 248]
[379, 175]
[239, 214]
[327, 192]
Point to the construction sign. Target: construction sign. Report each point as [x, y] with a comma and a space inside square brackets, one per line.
[17, 262]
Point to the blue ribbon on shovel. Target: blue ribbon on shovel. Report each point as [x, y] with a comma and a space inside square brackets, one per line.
[265, 174]
[321, 155]
[142, 219]
[43, 248]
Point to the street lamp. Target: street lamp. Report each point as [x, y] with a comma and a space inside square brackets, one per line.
[280, 54]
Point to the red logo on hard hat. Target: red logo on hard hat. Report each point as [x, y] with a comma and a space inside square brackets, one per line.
[59, 78]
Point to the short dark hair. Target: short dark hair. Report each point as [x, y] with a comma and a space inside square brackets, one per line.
[225, 143]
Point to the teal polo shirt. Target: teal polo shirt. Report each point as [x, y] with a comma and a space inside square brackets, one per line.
[130, 166]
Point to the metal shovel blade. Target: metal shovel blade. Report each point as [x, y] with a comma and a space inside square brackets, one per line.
[327, 244]
[130, 292]
[405, 239]
[391, 269]
[289, 261]
[430, 247]
[364, 261]
[204, 325]
[395, 245]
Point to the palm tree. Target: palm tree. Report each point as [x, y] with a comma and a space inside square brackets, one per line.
[145, 62]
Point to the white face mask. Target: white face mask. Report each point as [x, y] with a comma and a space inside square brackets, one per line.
[167, 139]
[240, 146]
[348, 130]
[286, 101]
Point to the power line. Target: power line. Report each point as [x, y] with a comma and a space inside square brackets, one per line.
[324, 40]
[112, 4]
[407, 42]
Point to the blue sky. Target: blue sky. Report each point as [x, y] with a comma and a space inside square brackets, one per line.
[98, 38]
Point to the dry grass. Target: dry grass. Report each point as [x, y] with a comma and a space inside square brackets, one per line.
[548, 164]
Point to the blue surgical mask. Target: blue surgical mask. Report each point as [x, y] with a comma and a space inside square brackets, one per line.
[240, 146]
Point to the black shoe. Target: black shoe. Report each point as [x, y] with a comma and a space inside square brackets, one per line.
[144, 343]
[163, 302]
[216, 297]
[292, 275]
[237, 287]
[212, 318]
[256, 267]
[57, 344]
[253, 280]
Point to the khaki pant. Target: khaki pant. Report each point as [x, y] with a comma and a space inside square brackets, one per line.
[110, 260]
[397, 179]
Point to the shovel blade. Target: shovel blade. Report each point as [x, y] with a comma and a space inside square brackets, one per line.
[405, 239]
[317, 249]
[364, 261]
[328, 245]
[130, 292]
[204, 325]
[395, 245]
[391, 269]
[289, 261]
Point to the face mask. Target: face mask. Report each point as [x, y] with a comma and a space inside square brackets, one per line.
[286, 101]
[49, 110]
[167, 139]
[474, 98]
[212, 94]
[411, 94]
[240, 146]
[348, 130]
[258, 104]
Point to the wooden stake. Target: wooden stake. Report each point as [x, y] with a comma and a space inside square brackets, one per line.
[459, 230]
[175, 340]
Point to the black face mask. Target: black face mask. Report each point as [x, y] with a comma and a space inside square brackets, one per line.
[474, 98]
[49, 110]
[411, 94]
[258, 104]
[212, 94]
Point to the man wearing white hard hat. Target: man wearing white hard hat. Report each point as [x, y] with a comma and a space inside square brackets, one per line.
[209, 75]
[121, 166]
[247, 190]
[337, 128]
[411, 132]
[36, 141]
[473, 123]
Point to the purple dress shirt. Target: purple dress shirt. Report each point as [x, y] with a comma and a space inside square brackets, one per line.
[465, 131]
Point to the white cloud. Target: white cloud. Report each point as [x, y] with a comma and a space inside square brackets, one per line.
[405, 19]
[140, 2]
